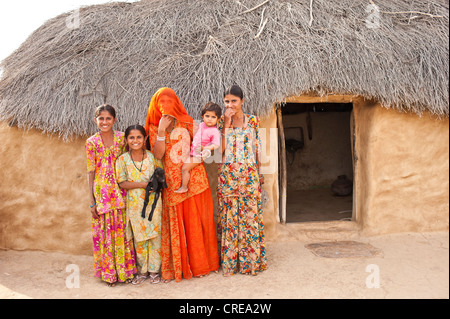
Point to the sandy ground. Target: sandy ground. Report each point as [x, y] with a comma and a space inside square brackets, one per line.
[409, 266]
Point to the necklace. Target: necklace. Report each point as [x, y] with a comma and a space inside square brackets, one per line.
[142, 162]
[243, 118]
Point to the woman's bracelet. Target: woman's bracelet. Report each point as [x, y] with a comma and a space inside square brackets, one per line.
[93, 205]
[160, 138]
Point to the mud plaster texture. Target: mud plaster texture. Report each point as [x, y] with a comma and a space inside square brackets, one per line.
[410, 265]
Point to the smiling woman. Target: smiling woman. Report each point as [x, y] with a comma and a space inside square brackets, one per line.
[113, 250]
[241, 227]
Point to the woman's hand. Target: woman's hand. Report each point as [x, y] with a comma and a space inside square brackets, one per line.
[227, 117]
[164, 123]
[94, 212]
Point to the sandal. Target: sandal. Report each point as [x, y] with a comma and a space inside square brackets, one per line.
[155, 278]
[139, 279]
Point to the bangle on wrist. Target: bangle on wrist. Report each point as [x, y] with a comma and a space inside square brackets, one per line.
[161, 138]
[93, 205]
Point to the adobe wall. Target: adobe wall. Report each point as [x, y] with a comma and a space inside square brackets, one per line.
[43, 198]
[402, 170]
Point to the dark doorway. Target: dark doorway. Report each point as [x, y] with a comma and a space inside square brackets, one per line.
[318, 150]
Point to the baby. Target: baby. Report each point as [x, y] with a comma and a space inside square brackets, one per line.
[205, 141]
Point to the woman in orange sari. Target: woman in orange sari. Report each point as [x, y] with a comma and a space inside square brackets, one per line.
[188, 239]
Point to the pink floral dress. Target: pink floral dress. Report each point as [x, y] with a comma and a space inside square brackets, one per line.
[114, 258]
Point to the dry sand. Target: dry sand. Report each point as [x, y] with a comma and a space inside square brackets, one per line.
[410, 265]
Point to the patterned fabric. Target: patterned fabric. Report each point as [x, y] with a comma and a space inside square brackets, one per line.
[241, 227]
[113, 254]
[101, 159]
[148, 255]
[177, 149]
[147, 235]
[126, 170]
[188, 243]
[113, 250]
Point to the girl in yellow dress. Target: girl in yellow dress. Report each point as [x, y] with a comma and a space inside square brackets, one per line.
[133, 172]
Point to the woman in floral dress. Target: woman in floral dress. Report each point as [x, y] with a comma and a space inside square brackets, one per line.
[241, 227]
[113, 250]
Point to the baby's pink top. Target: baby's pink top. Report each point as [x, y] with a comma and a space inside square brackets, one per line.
[206, 135]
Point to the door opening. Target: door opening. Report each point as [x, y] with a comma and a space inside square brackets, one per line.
[318, 161]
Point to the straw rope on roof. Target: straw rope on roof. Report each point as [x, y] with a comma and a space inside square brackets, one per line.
[120, 53]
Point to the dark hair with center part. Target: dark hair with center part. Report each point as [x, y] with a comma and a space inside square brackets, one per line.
[234, 90]
[105, 107]
[141, 129]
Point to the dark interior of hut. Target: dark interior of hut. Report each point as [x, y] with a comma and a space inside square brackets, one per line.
[318, 161]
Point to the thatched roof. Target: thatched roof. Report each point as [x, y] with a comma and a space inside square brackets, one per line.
[121, 53]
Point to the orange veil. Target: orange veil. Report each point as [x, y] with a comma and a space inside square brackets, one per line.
[175, 108]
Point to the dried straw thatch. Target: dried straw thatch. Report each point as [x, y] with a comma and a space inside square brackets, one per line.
[121, 53]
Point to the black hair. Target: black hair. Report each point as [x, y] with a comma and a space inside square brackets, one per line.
[105, 107]
[141, 129]
[212, 107]
[234, 90]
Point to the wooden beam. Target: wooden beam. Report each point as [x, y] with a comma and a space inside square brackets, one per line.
[283, 173]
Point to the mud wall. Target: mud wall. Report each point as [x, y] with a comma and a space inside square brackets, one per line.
[402, 170]
[43, 198]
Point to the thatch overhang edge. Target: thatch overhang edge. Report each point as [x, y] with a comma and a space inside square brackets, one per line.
[122, 53]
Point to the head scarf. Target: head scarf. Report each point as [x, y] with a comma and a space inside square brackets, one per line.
[175, 109]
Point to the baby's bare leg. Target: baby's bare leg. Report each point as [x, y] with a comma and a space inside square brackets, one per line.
[186, 174]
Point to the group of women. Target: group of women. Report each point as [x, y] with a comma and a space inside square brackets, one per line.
[182, 239]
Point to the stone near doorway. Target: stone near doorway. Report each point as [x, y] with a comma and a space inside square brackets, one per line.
[343, 249]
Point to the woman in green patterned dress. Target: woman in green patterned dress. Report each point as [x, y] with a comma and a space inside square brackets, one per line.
[240, 227]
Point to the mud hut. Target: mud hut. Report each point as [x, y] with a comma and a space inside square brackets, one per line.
[355, 88]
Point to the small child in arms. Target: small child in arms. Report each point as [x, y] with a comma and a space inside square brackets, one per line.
[205, 141]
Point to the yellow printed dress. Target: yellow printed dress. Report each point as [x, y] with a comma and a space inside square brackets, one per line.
[147, 234]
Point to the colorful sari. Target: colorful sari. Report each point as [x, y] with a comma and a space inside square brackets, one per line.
[189, 242]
